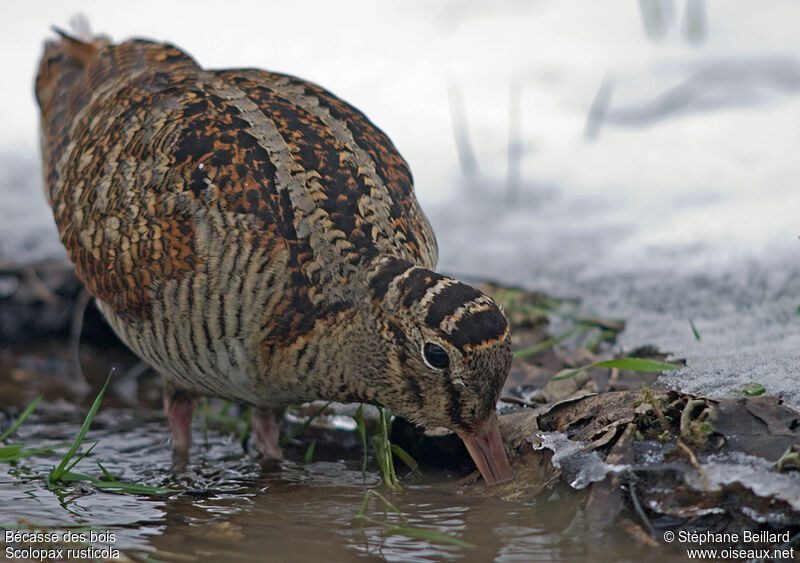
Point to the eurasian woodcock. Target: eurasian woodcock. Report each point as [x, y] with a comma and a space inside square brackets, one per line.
[254, 237]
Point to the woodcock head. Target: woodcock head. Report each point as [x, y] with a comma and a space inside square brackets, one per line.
[448, 354]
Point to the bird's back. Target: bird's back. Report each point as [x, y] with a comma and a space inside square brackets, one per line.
[155, 167]
[213, 211]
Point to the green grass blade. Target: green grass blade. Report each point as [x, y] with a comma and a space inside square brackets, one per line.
[363, 511]
[570, 373]
[25, 414]
[550, 342]
[378, 447]
[80, 457]
[12, 452]
[637, 364]
[428, 535]
[59, 471]
[310, 452]
[72, 476]
[408, 531]
[405, 457]
[694, 330]
[753, 389]
[38, 451]
[388, 504]
[362, 431]
[124, 486]
[109, 477]
[383, 449]
[627, 364]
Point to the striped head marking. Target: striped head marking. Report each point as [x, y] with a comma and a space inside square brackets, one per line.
[448, 347]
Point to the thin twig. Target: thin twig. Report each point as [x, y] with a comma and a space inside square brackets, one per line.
[514, 172]
[696, 464]
[39, 289]
[458, 117]
[598, 110]
[638, 507]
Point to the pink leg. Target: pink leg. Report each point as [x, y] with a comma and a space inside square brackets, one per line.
[266, 432]
[179, 405]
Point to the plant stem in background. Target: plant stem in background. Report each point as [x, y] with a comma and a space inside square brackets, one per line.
[627, 364]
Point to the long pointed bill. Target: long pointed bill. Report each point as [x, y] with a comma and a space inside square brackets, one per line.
[485, 446]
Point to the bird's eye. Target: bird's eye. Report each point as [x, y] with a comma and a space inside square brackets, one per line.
[435, 356]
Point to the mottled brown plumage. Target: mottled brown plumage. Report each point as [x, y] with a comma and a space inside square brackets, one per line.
[256, 238]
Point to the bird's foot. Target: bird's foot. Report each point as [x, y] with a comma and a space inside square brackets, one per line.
[266, 432]
[179, 406]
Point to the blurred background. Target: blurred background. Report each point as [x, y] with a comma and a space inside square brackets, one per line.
[640, 157]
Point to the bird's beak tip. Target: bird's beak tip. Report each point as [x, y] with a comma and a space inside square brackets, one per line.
[485, 445]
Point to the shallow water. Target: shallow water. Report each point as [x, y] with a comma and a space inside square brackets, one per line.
[236, 508]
